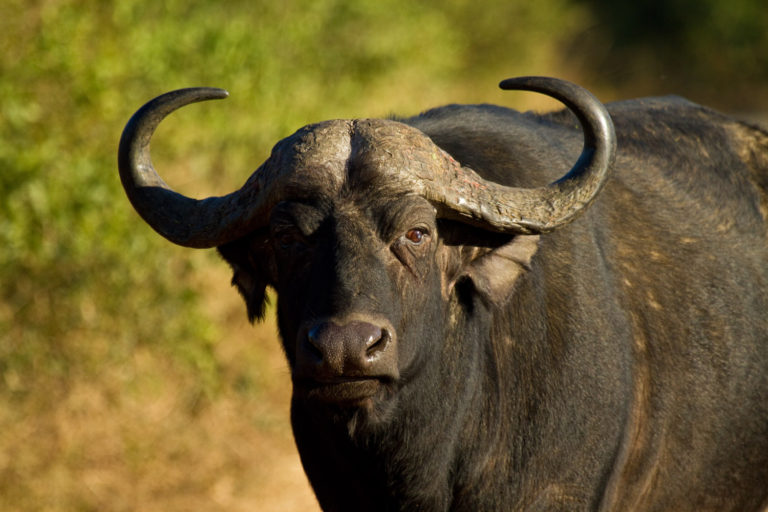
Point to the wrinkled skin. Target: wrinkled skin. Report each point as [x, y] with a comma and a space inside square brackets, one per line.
[618, 363]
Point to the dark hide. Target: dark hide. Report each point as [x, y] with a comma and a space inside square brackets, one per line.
[618, 363]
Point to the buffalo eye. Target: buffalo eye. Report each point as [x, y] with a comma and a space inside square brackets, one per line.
[416, 236]
[289, 239]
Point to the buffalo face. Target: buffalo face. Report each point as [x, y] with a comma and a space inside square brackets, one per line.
[360, 286]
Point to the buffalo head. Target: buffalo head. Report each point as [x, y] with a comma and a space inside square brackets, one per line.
[376, 240]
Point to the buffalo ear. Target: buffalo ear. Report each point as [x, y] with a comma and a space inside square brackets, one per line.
[495, 272]
[251, 264]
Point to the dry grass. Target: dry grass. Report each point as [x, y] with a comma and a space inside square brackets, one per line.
[138, 438]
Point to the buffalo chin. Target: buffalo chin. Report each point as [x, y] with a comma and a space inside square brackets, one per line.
[348, 393]
[351, 402]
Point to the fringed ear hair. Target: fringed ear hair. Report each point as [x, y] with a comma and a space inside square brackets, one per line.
[250, 270]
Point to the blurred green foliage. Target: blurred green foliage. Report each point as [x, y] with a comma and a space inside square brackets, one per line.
[84, 284]
[714, 51]
[84, 281]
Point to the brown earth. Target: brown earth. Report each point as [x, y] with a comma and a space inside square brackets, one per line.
[143, 436]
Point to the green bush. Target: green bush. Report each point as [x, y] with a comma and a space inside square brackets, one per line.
[712, 51]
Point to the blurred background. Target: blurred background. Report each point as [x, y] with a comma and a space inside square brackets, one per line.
[129, 376]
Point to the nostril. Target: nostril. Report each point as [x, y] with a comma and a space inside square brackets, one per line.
[350, 347]
[328, 351]
[314, 336]
[377, 343]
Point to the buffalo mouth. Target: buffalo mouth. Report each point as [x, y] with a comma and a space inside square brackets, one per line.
[346, 392]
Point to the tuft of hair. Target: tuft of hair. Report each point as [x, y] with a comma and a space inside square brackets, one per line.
[255, 296]
[247, 277]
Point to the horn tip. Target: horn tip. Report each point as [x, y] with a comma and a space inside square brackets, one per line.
[512, 83]
[527, 82]
[212, 93]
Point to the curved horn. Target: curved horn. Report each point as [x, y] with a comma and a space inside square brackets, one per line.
[538, 210]
[180, 219]
[463, 194]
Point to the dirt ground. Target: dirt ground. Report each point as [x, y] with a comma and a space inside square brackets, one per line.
[140, 436]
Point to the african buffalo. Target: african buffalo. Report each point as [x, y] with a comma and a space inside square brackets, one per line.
[462, 336]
